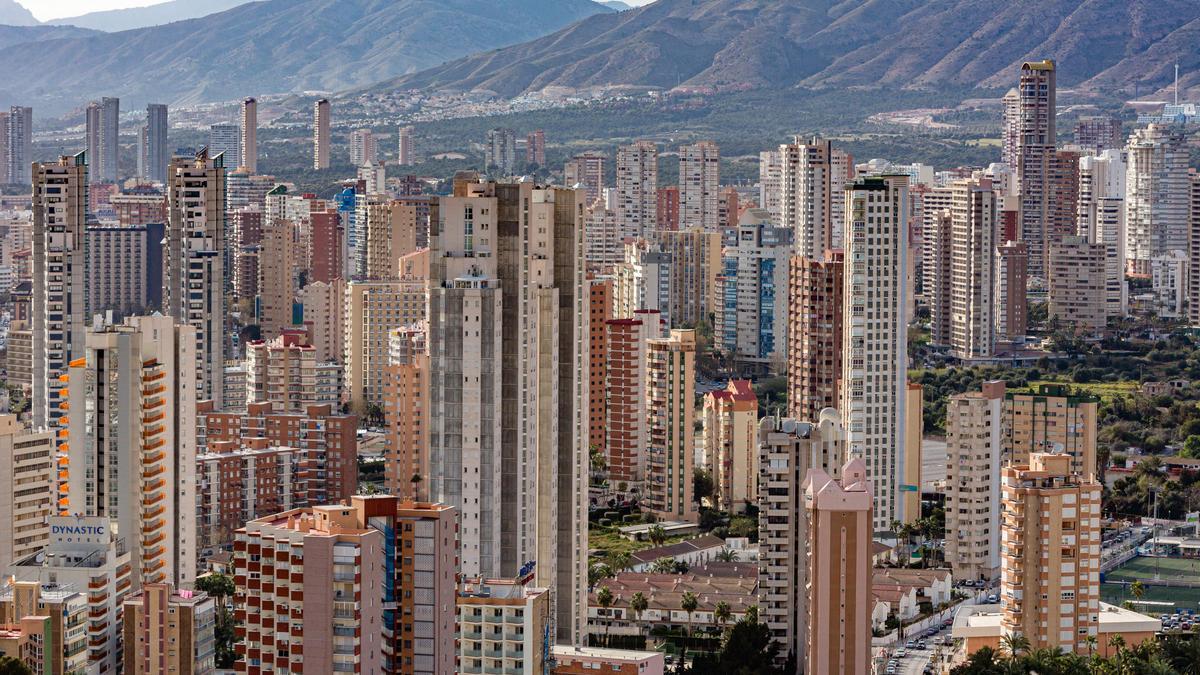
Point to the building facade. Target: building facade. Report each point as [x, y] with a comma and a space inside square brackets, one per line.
[974, 442]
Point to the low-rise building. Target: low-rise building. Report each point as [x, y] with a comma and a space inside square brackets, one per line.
[600, 661]
[504, 627]
[46, 627]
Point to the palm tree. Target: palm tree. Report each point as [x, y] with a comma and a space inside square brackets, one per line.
[722, 614]
[1183, 655]
[1138, 589]
[1014, 644]
[1091, 643]
[656, 534]
[638, 604]
[663, 565]
[727, 554]
[619, 562]
[605, 598]
[688, 603]
[1117, 642]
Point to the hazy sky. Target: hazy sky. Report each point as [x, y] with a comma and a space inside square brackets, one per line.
[45, 10]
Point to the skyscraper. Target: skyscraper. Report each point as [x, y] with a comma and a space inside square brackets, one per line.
[19, 141]
[624, 393]
[249, 138]
[875, 337]
[730, 445]
[321, 112]
[972, 257]
[225, 139]
[158, 153]
[509, 398]
[103, 139]
[404, 148]
[814, 334]
[1051, 419]
[501, 151]
[1101, 218]
[194, 273]
[362, 147]
[1010, 313]
[671, 404]
[1157, 195]
[535, 148]
[59, 269]
[787, 449]
[637, 189]
[1035, 140]
[1049, 575]
[1194, 247]
[699, 182]
[839, 570]
[973, 448]
[812, 176]
[135, 465]
[1078, 286]
[751, 305]
[586, 170]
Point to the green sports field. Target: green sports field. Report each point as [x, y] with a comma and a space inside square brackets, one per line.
[1115, 589]
[1182, 569]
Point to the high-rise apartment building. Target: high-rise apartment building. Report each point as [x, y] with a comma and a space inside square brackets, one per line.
[509, 400]
[17, 129]
[1050, 561]
[277, 268]
[637, 189]
[406, 154]
[1051, 419]
[699, 182]
[1101, 218]
[169, 631]
[535, 148]
[972, 257]
[34, 615]
[587, 171]
[103, 139]
[730, 427]
[373, 309]
[249, 136]
[812, 177]
[501, 151]
[839, 570]
[285, 371]
[158, 153]
[420, 584]
[671, 404]
[85, 557]
[60, 205]
[787, 449]
[751, 303]
[1157, 195]
[875, 337]
[226, 139]
[770, 186]
[363, 147]
[525, 611]
[135, 466]
[667, 211]
[328, 619]
[1010, 314]
[600, 310]
[974, 441]
[124, 269]
[1077, 286]
[27, 489]
[1032, 119]
[391, 233]
[626, 422]
[321, 113]
[323, 305]
[1194, 247]
[603, 247]
[406, 409]
[194, 276]
[814, 335]
[695, 259]
[1097, 133]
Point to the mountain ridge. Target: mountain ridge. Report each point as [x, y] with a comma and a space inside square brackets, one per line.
[13, 13]
[274, 46]
[732, 44]
[130, 18]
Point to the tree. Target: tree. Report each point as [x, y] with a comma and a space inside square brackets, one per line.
[13, 666]
[702, 485]
[721, 614]
[220, 588]
[727, 554]
[605, 599]
[638, 604]
[1014, 644]
[1138, 589]
[1183, 655]
[688, 603]
[663, 565]
[656, 534]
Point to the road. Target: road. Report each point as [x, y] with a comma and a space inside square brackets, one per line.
[915, 661]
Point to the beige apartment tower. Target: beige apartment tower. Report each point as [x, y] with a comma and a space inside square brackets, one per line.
[60, 204]
[671, 405]
[974, 442]
[1050, 543]
[321, 112]
[699, 182]
[169, 631]
[730, 428]
[250, 135]
[812, 177]
[1078, 286]
[787, 449]
[28, 475]
[1051, 420]
[637, 189]
[839, 571]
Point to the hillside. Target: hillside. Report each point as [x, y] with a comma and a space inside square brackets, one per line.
[1109, 44]
[274, 46]
[15, 35]
[155, 15]
[12, 13]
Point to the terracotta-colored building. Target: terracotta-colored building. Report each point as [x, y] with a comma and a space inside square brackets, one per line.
[815, 334]
[624, 392]
[668, 208]
[406, 409]
[730, 444]
[600, 310]
[325, 249]
[169, 631]
[599, 661]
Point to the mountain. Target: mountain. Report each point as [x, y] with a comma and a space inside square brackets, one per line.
[274, 46]
[15, 35]
[154, 15]
[12, 13]
[734, 44]
[615, 4]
